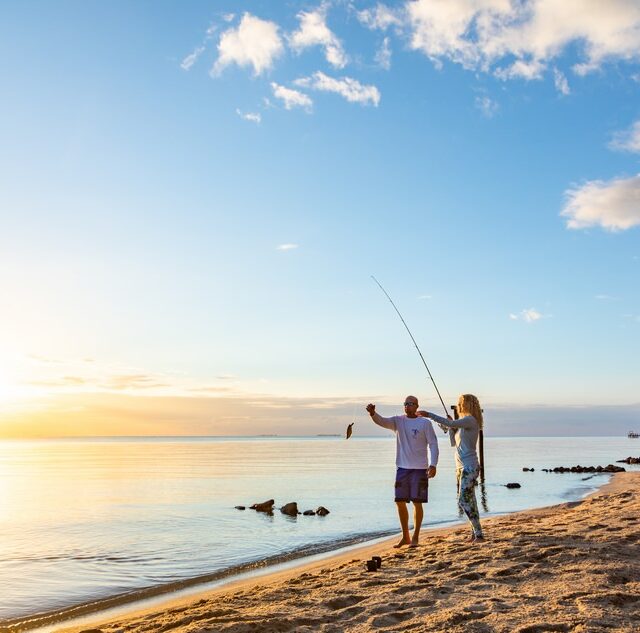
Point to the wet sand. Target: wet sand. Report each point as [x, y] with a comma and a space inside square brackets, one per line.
[572, 567]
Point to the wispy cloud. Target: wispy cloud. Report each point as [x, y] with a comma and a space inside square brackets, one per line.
[291, 98]
[254, 117]
[255, 43]
[613, 205]
[383, 54]
[627, 140]
[487, 106]
[560, 82]
[314, 31]
[351, 89]
[286, 247]
[381, 17]
[522, 69]
[192, 58]
[605, 298]
[528, 315]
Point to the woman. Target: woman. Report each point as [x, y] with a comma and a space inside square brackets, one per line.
[464, 436]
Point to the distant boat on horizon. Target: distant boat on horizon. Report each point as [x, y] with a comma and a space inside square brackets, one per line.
[633, 434]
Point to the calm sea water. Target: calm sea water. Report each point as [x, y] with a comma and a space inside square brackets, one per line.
[86, 519]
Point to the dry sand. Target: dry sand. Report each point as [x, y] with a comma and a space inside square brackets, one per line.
[573, 567]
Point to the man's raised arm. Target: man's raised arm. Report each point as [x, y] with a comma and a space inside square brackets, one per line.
[387, 423]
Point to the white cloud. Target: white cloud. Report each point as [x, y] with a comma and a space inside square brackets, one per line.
[522, 69]
[314, 31]
[255, 43]
[604, 298]
[529, 315]
[351, 89]
[381, 17]
[228, 17]
[612, 205]
[487, 106]
[383, 55]
[192, 58]
[560, 82]
[627, 140]
[291, 98]
[254, 117]
[480, 33]
[286, 247]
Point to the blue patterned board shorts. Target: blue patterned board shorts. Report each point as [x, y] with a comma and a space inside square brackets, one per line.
[412, 484]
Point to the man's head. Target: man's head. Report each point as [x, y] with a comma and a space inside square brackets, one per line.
[411, 406]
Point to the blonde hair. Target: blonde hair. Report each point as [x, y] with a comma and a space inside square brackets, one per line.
[468, 404]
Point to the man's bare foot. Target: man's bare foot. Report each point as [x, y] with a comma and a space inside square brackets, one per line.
[403, 541]
[414, 543]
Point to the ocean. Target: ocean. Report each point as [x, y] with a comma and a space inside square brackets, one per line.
[86, 519]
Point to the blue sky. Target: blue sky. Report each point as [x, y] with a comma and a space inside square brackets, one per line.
[193, 199]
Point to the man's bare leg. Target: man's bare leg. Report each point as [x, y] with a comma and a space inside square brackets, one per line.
[418, 513]
[403, 514]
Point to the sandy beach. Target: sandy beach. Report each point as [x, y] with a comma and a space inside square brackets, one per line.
[572, 567]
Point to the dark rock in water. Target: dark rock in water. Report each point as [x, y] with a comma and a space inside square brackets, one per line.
[587, 469]
[322, 511]
[265, 506]
[513, 485]
[241, 508]
[629, 460]
[290, 509]
[309, 513]
[528, 470]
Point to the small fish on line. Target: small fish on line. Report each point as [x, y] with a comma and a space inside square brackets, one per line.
[350, 430]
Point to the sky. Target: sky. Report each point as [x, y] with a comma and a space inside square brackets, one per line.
[194, 196]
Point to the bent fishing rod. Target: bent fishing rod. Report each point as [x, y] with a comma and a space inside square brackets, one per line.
[446, 413]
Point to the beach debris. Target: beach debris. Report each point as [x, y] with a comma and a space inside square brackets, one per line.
[586, 469]
[241, 508]
[290, 509]
[528, 470]
[629, 460]
[322, 511]
[513, 485]
[350, 430]
[309, 513]
[372, 565]
[265, 506]
[378, 561]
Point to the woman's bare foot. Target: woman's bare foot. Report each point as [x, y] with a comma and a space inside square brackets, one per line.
[414, 542]
[403, 541]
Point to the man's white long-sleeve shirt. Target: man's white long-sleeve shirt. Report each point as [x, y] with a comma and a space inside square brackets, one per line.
[413, 437]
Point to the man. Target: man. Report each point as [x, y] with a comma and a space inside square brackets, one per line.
[413, 435]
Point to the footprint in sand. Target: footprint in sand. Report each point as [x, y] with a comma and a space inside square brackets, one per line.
[343, 602]
[390, 619]
[407, 589]
[543, 627]
[470, 575]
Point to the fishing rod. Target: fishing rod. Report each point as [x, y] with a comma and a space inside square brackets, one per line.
[446, 413]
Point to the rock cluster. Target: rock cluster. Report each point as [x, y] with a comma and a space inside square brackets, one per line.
[528, 470]
[290, 509]
[585, 469]
[513, 485]
[629, 460]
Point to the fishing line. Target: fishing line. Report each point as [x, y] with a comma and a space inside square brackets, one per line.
[446, 413]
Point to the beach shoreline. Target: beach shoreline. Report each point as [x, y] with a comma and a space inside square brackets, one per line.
[291, 599]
